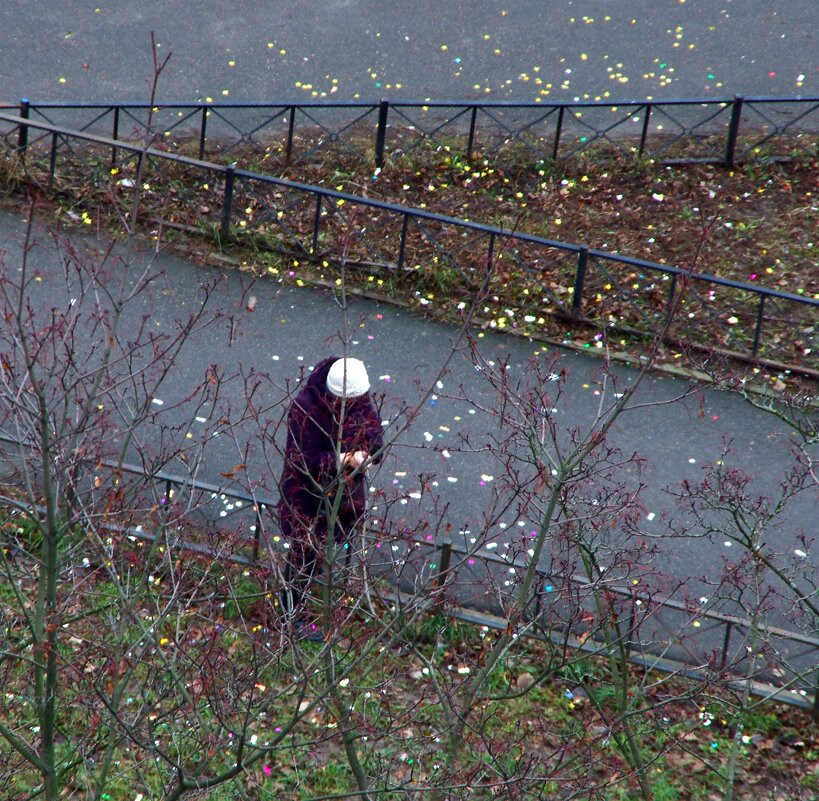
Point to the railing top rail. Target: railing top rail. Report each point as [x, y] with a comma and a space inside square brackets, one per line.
[195, 484]
[413, 212]
[707, 277]
[120, 144]
[692, 101]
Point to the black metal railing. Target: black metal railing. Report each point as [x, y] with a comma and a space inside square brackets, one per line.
[660, 633]
[723, 131]
[758, 324]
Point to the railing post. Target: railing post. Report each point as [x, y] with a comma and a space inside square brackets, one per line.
[672, 291]
[490, 253]
[758, 331]
[558, 132]
[291, 124]
[258, 533]
[230, 176]
[115, 136]
[644, 133]
[381, 132]
[316, 223]
[725, 645]
[443, 566]
[579, 280]
[733, 132]
[203, 126]
[52, 162]
[471, 142]
[22, 131]
[403, 247]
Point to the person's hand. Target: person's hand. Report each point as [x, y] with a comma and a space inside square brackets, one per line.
[353, 459]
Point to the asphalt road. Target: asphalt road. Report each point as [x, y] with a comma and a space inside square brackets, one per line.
[344, 50]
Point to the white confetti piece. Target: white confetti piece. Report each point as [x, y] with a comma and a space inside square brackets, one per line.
[650, 516]
[427, 436]
[158, 402]
[416, 496]
[446, 454]
[801, 554]
[451, 479]
[486, 477]
[692, 461]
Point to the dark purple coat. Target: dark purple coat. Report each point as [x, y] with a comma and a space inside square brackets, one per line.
[311, 477]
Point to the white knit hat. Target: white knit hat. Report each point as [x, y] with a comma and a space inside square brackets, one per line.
[348, 378]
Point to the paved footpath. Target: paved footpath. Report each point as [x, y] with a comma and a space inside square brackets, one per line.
[292, 328]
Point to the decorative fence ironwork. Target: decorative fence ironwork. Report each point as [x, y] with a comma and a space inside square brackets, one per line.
[657, 635]
[765, 326]
[708, 130]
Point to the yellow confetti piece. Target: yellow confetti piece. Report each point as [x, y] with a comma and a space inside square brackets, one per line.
[231, 63]
[61, 79]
